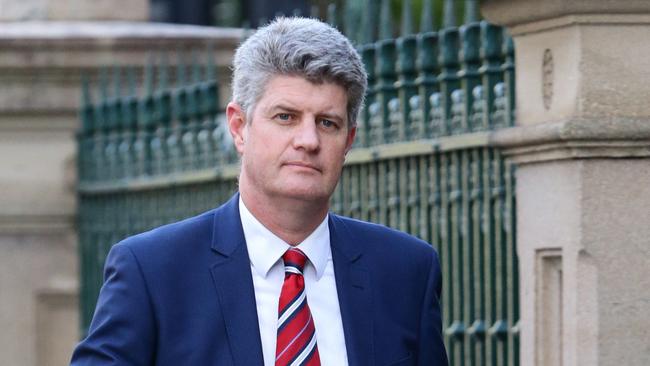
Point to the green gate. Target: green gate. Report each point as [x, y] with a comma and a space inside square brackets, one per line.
[422, 162]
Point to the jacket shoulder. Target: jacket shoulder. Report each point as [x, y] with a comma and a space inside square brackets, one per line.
[193, 230]
[375, 237]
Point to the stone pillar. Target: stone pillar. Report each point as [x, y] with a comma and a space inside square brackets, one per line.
[582, 144]
[41, 63]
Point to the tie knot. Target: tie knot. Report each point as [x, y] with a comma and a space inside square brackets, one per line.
[294, 260]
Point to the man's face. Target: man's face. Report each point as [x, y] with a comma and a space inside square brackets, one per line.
[294, 141]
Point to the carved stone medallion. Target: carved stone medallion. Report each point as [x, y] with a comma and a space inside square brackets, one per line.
[547, 78]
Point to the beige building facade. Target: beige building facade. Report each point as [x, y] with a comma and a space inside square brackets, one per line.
[43, 54]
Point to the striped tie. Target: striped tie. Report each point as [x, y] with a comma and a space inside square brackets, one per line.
[296, 333]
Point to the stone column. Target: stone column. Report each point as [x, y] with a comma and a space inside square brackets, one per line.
[41, 63]
[582, 144]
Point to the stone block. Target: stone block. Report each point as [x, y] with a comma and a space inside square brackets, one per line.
[133, 10]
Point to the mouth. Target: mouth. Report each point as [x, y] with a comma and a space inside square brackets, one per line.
[302, 164]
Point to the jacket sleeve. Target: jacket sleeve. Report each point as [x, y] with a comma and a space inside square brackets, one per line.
[122, 331]
[431, 347]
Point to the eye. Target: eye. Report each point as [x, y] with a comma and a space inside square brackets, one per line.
[283, 116]
[328, 123]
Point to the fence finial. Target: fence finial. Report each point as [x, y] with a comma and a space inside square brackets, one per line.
[196, 67]
[331, 15]
[313, 12]
[407, 17]
[210, 66]
[163, 72]
[86, 106]
[181, 78]
[369, 22]
[131, 82]
[385, 21]
[449, 19]
[426, 22]
[471, 11]
[352, 16]
[85, 91]
[148, 76]
[117, 81]
[103, 83]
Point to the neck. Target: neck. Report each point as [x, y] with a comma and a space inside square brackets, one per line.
[291, 219]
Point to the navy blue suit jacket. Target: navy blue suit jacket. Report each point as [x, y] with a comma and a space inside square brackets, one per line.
[182, 294]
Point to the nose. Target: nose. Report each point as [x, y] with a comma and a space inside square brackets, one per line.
[306, 135]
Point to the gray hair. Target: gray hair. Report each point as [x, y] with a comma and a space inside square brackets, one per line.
[298, 47]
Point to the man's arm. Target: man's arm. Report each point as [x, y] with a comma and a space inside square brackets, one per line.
[122, 331]
[431, 348]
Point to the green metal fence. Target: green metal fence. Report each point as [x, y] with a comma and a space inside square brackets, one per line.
[422, 163]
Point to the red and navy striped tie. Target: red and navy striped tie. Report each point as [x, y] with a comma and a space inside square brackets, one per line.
[296, 343]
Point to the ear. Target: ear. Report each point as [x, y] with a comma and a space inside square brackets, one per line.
[350, 139]
[237, 125]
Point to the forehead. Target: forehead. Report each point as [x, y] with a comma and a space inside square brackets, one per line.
[301, 94]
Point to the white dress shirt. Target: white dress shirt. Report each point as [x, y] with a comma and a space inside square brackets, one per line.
[265, 250]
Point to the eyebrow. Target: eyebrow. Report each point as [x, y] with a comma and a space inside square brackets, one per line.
[286, 108]
[283, 107]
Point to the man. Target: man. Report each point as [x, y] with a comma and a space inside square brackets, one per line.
[270, 277]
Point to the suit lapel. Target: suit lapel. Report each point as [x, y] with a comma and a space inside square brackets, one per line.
[355, 294]
[233, 282]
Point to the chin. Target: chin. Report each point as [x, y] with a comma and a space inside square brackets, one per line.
[306, 194]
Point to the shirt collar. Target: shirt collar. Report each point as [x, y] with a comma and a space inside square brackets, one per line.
[265, 248]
